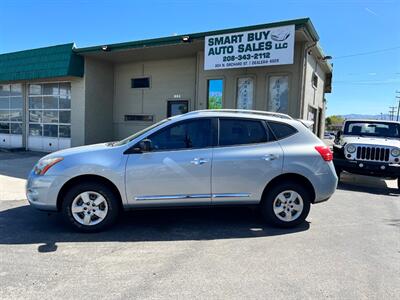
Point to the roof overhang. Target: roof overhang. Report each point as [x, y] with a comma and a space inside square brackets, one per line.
[185, 44]
[304, 23]
[48, 62]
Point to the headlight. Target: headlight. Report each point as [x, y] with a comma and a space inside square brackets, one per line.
[44, 164]
[351, 148]
[395, 152]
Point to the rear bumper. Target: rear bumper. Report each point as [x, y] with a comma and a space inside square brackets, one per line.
[378, 169]
[325, 183]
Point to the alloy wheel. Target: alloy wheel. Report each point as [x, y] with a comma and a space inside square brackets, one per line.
[288, 206]
[89, 208]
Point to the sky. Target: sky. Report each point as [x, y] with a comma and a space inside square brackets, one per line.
[362, 36]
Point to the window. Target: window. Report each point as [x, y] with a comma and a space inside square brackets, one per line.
[11, 107]
[371, 128]
[315, 80]
[281, 130]
[312, 114]
[140, 83]
[185, 135]
[50, 110]
[215, 93]
[241, 131]
[245, 93]
[278, 100]
[177, 108]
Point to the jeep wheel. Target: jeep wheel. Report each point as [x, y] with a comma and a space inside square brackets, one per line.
[90, 207]
[286, 205]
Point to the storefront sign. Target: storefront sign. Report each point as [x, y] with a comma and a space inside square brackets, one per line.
[265, 47]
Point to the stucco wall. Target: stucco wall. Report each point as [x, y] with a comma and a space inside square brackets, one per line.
[77, 112]
[99, 91]
[109, 95]
[314, 97]
[261, 77]
[171, 79]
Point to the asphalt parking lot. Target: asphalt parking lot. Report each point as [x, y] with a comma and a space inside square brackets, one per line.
[348, 249]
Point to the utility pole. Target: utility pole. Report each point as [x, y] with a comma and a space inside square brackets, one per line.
[392, 109]
[398, 105]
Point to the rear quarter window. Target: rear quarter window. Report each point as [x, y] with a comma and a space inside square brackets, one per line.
[282, 130]
[234, 131]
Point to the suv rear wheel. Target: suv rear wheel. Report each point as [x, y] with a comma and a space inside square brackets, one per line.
[286, 205]
[90, 207]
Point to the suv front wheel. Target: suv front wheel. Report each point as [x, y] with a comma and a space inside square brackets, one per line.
[286, 205]
[90, 207]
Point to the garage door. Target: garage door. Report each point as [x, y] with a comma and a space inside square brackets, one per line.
[49, 116]
[11, 106]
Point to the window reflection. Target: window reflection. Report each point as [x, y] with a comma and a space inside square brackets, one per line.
[215, 93]
[50, 105]
[278, 100]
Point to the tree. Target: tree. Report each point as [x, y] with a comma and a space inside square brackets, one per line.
[332, 122]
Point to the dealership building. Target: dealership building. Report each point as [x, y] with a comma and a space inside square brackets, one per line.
[63, 96]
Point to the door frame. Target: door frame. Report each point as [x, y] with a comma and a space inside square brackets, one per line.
[174, 101]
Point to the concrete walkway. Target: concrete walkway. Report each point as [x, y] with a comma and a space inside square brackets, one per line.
[14, 169]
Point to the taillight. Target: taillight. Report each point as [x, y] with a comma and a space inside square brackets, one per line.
[325, 152]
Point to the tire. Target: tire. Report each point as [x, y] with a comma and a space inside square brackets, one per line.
[274, 209]
[101, 213]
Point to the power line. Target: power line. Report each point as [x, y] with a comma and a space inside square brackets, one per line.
[392, 109]
[367, 53]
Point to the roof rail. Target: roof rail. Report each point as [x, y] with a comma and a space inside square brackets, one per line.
[245, 111]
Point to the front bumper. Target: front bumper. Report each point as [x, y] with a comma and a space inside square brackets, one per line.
[371, 168]
[42, 191]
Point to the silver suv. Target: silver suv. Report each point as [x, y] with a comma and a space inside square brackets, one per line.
[202, 158]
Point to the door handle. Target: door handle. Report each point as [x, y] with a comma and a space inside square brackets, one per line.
[198, 161]
[269, 157]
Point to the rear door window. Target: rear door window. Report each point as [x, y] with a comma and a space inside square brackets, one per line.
[281, 130]
[241, 132]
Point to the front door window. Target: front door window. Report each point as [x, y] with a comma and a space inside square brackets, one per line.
[192, 134]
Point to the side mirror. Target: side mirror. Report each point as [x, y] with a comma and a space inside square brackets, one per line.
[337, 137]
[146, 145]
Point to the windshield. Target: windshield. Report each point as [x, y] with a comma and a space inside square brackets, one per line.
[134, 136]
[377, 129]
